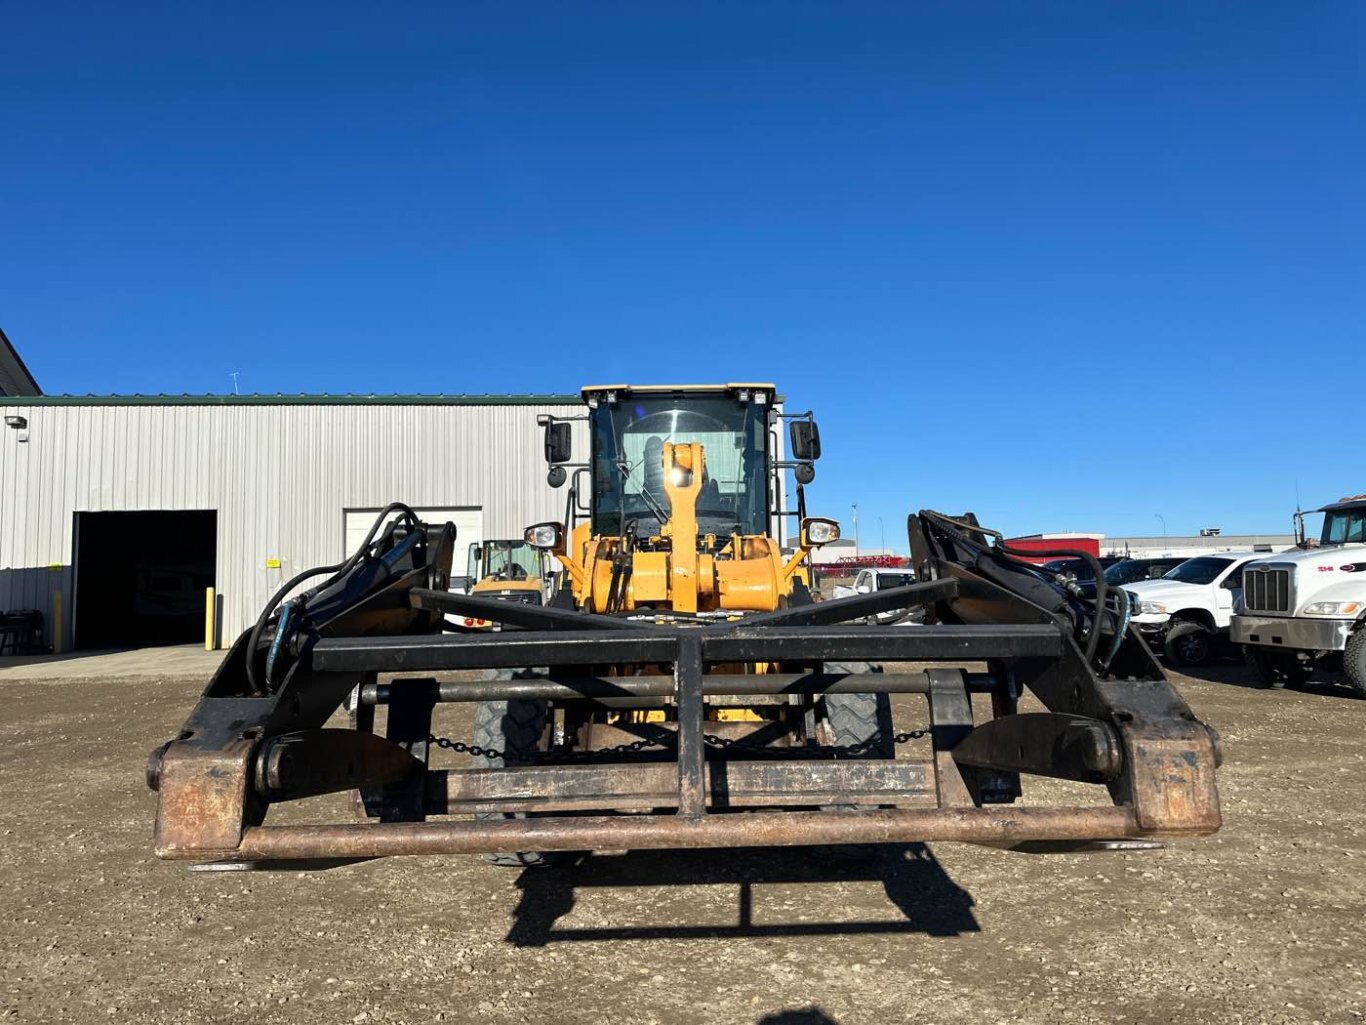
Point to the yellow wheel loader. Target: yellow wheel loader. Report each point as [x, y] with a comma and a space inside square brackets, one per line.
[682, 688]
[508, 569]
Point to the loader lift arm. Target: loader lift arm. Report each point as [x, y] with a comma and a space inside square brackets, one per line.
[258, 736]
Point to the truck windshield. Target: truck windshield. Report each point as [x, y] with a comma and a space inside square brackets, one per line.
[1344, 526]
[1199, 571]
[628, 462]
[1126, 572]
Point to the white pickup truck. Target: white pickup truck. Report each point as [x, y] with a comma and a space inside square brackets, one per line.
[1308, 605]
[874, 579]
[1187, 611]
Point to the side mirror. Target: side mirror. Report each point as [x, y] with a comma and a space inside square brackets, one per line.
[557, 442]
[864, 589]
[806, 440]
[556, 476]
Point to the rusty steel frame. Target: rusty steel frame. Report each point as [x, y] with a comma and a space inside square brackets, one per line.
[992, 826]
[1127, 729]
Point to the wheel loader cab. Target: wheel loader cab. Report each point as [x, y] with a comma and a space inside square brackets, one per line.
[680, 490]
[508, 569]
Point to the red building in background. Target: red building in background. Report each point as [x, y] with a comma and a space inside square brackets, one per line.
[1089, 543]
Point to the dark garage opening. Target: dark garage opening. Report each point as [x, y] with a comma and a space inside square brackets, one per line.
[140, 577]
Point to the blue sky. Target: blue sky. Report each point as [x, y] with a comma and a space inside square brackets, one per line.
[1068, 265]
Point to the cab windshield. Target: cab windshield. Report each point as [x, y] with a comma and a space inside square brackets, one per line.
[1127, 572]
[628, 462]
[1198, 571]
[1344, 526]
[503, 560]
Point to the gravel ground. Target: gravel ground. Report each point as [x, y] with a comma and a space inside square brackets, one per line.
[1260, 923]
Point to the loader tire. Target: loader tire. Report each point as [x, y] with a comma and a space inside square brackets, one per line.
[859, 718]
[512, 728]
[1277, 668]
[1354, 661]
[1188, 644]
[856, 719]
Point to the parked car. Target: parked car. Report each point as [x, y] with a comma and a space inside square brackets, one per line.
[870, 580]
[1131, 571]
[1186, 612]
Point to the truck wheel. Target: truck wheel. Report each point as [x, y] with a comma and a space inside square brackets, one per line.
[1188, 644]
[1354, 661]
[1277, 668]
[512, 728]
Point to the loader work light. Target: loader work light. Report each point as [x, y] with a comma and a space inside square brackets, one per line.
[817, 531]
[544, 535]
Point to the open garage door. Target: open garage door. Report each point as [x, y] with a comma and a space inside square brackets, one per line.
[469, 527]
[141, 577]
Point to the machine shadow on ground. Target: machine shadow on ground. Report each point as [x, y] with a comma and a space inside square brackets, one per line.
[915, 883]
[798, 1016]
[1324, 683]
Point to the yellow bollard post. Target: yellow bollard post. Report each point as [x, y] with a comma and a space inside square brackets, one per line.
[57, 622]
[208, 619]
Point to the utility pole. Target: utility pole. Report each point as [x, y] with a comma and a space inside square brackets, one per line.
[855, 508]
[233, 375]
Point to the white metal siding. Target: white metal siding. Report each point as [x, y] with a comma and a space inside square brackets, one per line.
[279, 477]
[469, 528]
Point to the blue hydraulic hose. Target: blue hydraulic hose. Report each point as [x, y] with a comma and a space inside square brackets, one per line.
[1126, 607]
[275, 641]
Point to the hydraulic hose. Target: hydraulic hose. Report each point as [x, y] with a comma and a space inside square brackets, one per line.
[340, 568]
[1018, 555]
[1102, 588]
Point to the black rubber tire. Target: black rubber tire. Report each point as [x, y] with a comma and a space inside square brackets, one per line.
[1188, 644]
[854, 719]
[513, 728]
[1277, 668]
[857, 718]
[1354, 661]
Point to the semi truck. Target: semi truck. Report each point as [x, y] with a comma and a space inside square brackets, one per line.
[1307, 607]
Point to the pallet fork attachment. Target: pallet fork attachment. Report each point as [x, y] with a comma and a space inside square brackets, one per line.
[259, 734]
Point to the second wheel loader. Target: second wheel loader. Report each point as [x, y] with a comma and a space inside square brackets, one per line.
[682, 688]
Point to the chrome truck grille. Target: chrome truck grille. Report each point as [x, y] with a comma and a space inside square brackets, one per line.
[1266, 589]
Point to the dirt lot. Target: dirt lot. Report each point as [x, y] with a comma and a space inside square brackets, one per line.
[1261, 923]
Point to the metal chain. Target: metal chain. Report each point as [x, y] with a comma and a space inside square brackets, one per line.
[541, 756]
[710, 739]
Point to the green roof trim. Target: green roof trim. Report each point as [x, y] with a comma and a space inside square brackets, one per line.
[290, 400]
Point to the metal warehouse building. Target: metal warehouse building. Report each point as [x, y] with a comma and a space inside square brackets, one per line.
[117, 512]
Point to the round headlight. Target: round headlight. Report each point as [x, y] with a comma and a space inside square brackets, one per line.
[544, 535]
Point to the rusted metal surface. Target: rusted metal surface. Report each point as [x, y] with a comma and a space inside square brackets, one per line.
[314, 762]
[950, 723]
[1173, 779]
[655, 785]
[995, 826]
[203, 798]
[1045, 744]
[617, 691]
[692, 752]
